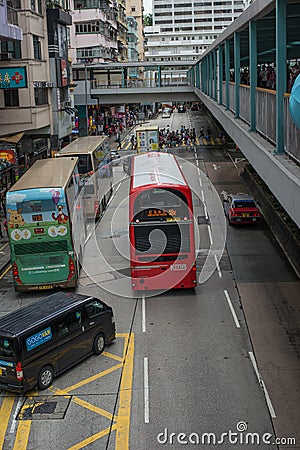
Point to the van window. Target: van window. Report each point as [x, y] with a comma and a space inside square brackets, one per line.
[6, 347]
[94, 308]
[69, 323]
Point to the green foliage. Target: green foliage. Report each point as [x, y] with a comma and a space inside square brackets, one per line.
[148, 20]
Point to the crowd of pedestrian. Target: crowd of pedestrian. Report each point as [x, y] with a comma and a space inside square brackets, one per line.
[113, 125]
[184, 137]
[266, 76]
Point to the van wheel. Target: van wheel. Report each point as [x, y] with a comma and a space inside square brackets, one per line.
[99, 344]
[45, 377]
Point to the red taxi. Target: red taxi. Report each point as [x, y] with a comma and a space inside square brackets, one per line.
[241, 208]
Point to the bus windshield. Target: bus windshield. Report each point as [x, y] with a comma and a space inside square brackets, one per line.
[157, 204]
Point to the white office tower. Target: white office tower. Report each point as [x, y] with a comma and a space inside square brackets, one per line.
[183, 29]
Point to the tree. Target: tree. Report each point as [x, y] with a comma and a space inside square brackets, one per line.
[148, 20]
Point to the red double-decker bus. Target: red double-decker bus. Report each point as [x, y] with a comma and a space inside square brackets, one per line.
[161, 225]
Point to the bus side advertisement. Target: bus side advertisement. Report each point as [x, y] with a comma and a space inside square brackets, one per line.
[40, 238]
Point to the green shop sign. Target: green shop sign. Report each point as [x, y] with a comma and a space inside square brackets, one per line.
[13, 77]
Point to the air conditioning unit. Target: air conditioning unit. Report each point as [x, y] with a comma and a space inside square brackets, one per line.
[6, 56]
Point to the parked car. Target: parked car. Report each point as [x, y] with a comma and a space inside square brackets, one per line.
[194, 107]
[46, 338]
[240, 209]
[181, 109]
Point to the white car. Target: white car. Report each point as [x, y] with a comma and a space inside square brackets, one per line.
[166, 113]
[115, 156]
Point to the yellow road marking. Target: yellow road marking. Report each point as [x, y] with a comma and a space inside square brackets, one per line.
[204, 141]
[123, 335]
[5, 272]
[91, 439]
[197, 141]
[22, 435]
[127, 146]
[23, 431]
[3, 246]
[93, 378]
[212, 141]
[123, 422]
[110, 355]
[83, 403]
[5, 412]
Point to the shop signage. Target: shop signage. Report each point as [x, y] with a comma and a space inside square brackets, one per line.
[43, 84]
[9, 155]
[13, 78]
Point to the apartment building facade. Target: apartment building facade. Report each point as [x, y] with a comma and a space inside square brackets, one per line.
[34, 73]
[183, 29]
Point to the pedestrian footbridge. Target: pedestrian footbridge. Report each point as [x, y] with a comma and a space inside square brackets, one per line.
[258, 119]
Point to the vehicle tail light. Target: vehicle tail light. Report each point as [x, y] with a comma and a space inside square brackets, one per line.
[194, 267]
[19, 372]
[72, 268]
[96, 206]
[16, 273]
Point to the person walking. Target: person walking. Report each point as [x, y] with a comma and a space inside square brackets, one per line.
[201, 136]
[132, 141]
[118, 140]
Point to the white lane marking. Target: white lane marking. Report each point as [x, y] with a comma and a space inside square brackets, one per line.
[14, 421]
[199, 173]
[232, 309]
[197, 162]
[204, 206]
[146, 391]
[210, 235]
[218, 267]
[143, 315]
[261, 382]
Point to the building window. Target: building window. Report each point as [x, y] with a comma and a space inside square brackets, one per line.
[133, 8]
[37, 54]
[40, 96]
[32, 4]
[11, 97]
[12, 47]
[40, 7]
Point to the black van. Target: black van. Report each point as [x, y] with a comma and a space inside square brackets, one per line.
[42, 340]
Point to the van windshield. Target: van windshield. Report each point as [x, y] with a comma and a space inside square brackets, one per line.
[6, 347]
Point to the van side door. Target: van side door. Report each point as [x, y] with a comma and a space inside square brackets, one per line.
[98, 319]
[71, 339]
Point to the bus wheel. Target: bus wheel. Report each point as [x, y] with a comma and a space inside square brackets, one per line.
[99, 344]
[45, 377]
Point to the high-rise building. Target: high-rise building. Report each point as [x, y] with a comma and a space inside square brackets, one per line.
[135, 9]
[93, 34]
[183, 29]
